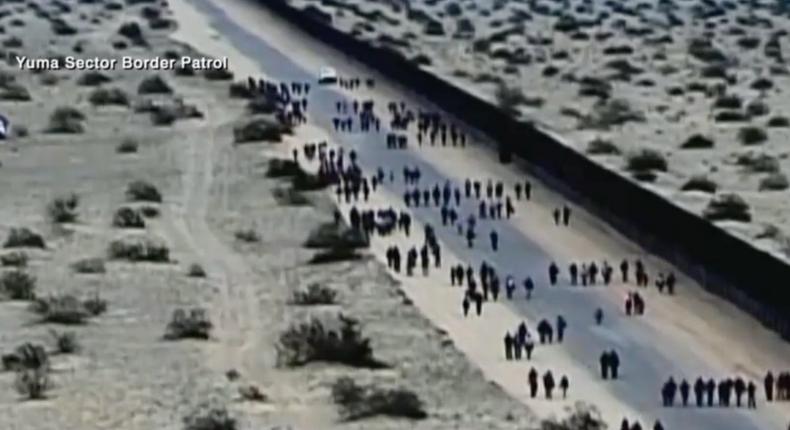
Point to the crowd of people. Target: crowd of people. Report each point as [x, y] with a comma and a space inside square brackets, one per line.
[726, 390]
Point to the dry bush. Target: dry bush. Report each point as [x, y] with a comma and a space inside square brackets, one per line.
[95, 305]
[65, 342]
[334, 255]
[63, 209]
[727, 207]
[26, 356]
[60, 309]
[307, 342]
[66, 120]
[260, 128]
[698, 141]
[282, 168]
[358, 402]
[762, 84]
[126, 217]
[17, 285]
[247, 235]
[581, 417]
[89, 266]
[194, 324]
[600, 146]
[611, 112]
[646, 160]
[758, 163]
[139, 249]
[314, 295]
[14, 259]
[127, 146]
[143, 191]
[757, 108]
[728, 101]
[133, 32]
[304, 181]
[509, 99]
[149, 211]
[15, 92]
[778, 121]
[774, 182]
[752, 135]
[288, 196]
[700, 183]
[336, 236]
[33, 384]
[154, 85]
[218, 74]
[62, 28]
[731, 116]
[93, 78]
[240, 90]
[109, 97]
[207, 417]
[263, 104]
[23, 237]
[196, 271]
[251, 393]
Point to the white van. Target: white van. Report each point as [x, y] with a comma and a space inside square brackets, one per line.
[327, 75]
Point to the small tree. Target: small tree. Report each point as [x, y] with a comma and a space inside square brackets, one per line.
[142, 191]
[63, 209]
[33, 384]
[18, 285]
[192, 325]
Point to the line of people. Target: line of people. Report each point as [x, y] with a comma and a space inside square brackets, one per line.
[778, 385]
[548, 384]
[704, 391]
[635, 425]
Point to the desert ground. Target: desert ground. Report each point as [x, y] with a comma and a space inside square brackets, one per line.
[125, 198]
[700, 86]
[685, 336]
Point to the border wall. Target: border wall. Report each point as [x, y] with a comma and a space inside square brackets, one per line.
[752, 279]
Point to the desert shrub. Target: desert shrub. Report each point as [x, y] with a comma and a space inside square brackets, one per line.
[336, 236]
[265, 105]
[358, 402]
[762, 84]
[778, 121]
[282, 167]
[26, 356]
[611, 112]
[63, 209]
[774, 182]
[95, 305]
[133, 32]
[646, 160]
[697, 141]
[757, 108]
[15, 92]
[304, 181]
[62, 28]
[92, 78]
[703, 50]
[218, 74]
[602, 147]
[149, 211]
[33, 384]
[194, 324]
[60, 309]
[758, 163]
[752, 135]
[700, 183]
[17, 285]
[728, 101]
[126, 217]
[108, 97]
[184, 71]
[727, 207]
[259, 128]
[89, 266]
[307, 342]
[154, 85]
[334, 255]
[247, 235]
[251, 393]
[314, 294]
[581, 417]
[240, 90]
[163, 116]
[143, 191]
[65, 341]
[434, 28]
[66, 120]
[196, 271]
[14, 259]
[289, 197]
[209, 418]
[127, 146]
[23, 237]
[139, 249]
[730, 116]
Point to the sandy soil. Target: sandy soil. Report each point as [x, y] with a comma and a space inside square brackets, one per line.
[545, 52]
[125, 376]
